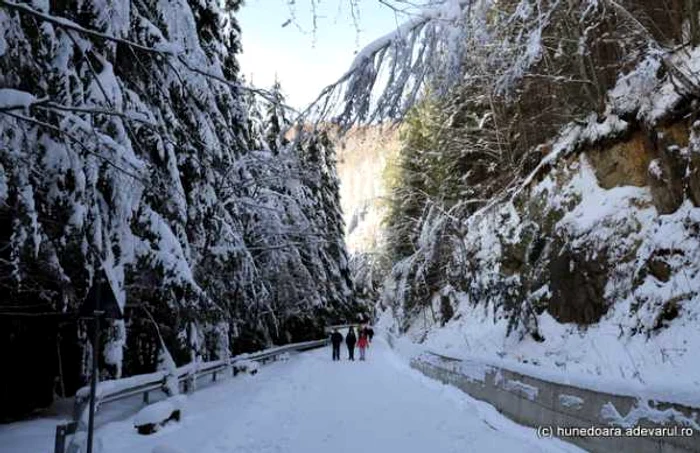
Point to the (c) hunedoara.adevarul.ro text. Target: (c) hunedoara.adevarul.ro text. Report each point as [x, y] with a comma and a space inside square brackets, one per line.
[614, 431]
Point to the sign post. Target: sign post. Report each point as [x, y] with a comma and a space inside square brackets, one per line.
[95, 357]
[96, 306]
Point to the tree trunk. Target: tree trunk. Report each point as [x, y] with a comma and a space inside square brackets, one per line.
[692, 8]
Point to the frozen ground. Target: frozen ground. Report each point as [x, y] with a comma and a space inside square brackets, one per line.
[311, 404]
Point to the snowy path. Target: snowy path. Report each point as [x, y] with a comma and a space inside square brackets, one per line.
[311, 404]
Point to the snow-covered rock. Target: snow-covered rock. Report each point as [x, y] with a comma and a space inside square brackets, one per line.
[588, 273]
[247, 366]
[158, 413]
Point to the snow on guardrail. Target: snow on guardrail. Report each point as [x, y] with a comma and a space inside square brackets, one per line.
[117, 389]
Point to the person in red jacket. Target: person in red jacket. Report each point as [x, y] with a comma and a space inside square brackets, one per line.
[362, 343]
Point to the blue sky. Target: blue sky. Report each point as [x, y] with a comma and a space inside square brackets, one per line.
[303, 63]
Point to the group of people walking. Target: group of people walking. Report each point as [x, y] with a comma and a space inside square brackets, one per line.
[362, 340]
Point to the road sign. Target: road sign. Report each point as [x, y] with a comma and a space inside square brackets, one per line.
[101, 294]
[101, 302]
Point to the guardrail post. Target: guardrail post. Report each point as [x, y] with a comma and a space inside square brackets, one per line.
[189, 383]
[77, 408]
[62, 431]
[60, 441]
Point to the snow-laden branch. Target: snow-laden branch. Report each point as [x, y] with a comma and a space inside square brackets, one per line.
[387, 76]
[11, 99]
[164, 49]
[493, 44]
[70, 25]
[80, 142]
[265, 94]
[27, 101]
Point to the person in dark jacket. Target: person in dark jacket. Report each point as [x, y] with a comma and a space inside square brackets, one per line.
[350, 340]
[370, 333]
[336, 339]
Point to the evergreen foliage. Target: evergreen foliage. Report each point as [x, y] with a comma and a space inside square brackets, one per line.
[276, 121]
[127, 141]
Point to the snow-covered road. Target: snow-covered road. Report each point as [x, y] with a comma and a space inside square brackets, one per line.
[311, 404]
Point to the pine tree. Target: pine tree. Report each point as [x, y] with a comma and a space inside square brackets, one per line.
[255, 121]
[132, 153]
[415, 181]
[276, 119]
[317, 157]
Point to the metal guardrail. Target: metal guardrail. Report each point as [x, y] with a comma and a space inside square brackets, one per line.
[329, 329]
[186, 376]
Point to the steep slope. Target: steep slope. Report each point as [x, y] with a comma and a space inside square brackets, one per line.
[365, 160]
[591, 265]
[364, 156]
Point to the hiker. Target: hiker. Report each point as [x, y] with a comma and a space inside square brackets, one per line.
[362, 330]
[350, 341]
[362, 343]
[370, 333]
[336, 339]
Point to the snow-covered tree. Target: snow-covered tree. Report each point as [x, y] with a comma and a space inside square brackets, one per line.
[255, 120]
[124, 145]
[510, 44]
[277, 120]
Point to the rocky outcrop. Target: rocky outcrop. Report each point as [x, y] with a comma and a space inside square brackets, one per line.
[597, 244]
[581, 238]
[650, 158]
[694, 165]
[578, 287]
[623, 163]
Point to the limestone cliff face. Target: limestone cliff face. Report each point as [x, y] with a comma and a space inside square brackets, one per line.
[594, 267]
[363, 155]
[592, 230]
